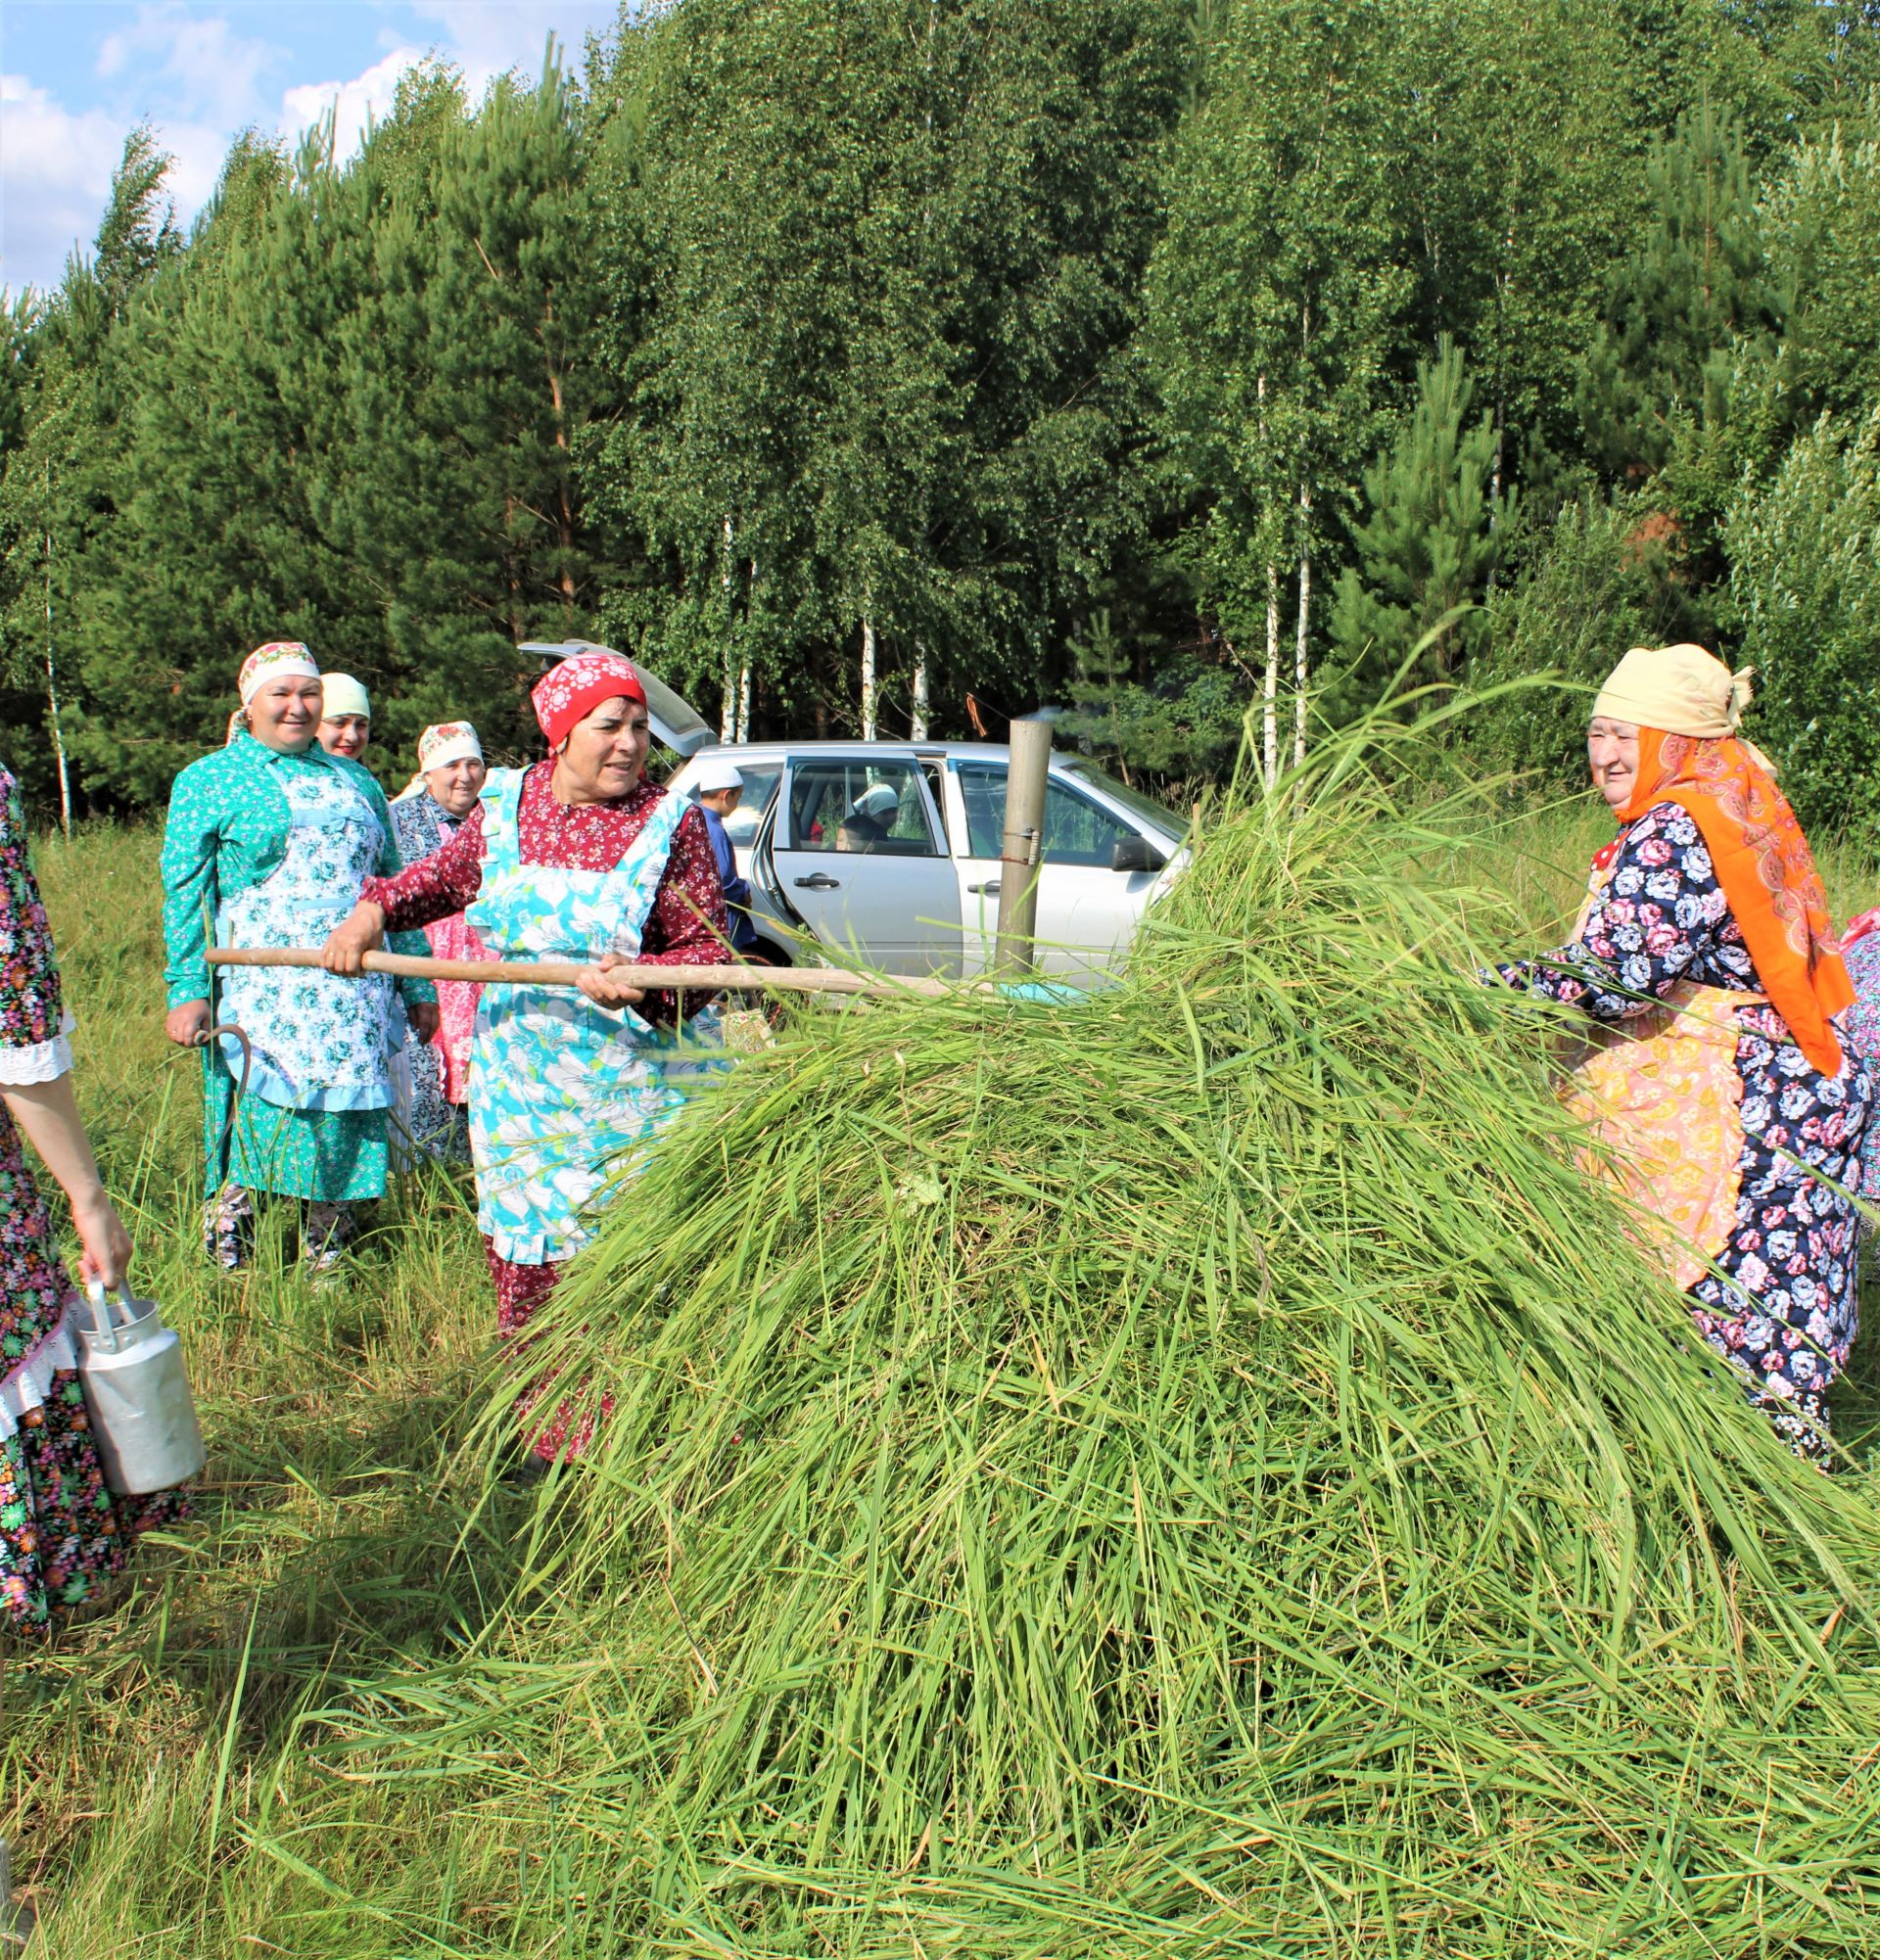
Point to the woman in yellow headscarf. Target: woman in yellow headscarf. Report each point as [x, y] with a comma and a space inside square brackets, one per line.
[1705, 956]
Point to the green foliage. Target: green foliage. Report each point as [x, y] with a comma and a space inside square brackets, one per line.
[896, 249]
[939, 326]
[1273, 295]
[1804, 594]
[1591, 581]
[1695, 283]
[1185, 723]
[1428, 543]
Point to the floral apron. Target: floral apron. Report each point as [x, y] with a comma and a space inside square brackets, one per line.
[1663, 1095]
[563, 1091]
[319, 1042]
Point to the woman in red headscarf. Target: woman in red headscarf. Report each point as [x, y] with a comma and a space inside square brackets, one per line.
[580, 856]
[1715, 1075]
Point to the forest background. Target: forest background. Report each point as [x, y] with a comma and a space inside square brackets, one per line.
[902, 365]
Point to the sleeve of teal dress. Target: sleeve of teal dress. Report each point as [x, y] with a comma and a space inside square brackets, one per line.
[390, 864]
[192, 846]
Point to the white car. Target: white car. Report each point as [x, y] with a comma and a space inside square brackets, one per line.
[888, 853]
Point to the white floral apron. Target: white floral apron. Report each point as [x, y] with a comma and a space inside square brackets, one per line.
[319, 1042]
[563, 1093]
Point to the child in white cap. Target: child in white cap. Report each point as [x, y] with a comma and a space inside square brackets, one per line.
[717, 790]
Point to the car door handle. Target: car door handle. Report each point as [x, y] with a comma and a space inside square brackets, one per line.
[819, 881]
[990, 888]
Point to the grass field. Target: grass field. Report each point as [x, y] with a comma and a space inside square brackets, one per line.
[157, 1779]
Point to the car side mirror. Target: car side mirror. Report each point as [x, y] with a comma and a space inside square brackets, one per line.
[1135, 853]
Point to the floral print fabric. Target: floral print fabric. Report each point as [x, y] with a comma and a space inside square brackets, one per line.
[62, 1536]
[686, 926]
[424, 827]
[317, 1041]
[562, 1091]
[1785, 1313]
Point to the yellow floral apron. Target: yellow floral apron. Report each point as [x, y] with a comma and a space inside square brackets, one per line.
[1662, 1097]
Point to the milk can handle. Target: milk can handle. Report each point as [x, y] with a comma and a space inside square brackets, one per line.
[101, 1310]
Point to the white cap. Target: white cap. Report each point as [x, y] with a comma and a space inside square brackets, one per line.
[341, 694]
[716, 773]
[879, 803]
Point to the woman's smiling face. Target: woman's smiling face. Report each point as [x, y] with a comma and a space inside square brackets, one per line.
[1612, 751]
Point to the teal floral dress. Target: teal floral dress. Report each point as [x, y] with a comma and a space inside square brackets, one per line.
[236, 860]
[62, 1533]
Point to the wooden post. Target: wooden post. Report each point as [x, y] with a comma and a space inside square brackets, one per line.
[16, 1921]
[1022, 851]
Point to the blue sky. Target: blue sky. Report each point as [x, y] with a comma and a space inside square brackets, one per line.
[75, 75]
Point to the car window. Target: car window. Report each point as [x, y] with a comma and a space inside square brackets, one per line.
[760, 785]
[1077, 831]
[856, 805]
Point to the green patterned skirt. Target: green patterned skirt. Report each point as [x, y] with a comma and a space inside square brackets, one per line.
[333, 1156]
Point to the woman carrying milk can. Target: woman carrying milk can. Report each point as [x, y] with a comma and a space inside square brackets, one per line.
[577, 858]
[62, 1533]
[1714, 1073]
[268, 843]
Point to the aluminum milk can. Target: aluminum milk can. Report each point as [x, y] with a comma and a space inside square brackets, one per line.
[143, 1416]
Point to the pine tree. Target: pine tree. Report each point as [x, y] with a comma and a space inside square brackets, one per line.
[1697, 281]
[1427, 544]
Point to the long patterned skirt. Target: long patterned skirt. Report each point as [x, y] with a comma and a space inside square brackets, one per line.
[63, 1535]
[1787, 1314]
[521, 1292]
[333, 1156]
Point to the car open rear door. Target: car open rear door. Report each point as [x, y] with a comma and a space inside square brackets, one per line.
[856, 849]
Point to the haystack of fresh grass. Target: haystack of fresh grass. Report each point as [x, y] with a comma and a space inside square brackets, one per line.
[1190, 1471]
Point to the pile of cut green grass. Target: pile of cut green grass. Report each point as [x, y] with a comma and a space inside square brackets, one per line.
[1187, 1471]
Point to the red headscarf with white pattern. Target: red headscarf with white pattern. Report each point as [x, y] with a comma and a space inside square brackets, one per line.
[573, 688]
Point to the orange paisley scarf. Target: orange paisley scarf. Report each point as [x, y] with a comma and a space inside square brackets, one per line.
[1766, 871]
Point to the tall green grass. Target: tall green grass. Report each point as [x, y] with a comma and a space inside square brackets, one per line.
[1189, 1473]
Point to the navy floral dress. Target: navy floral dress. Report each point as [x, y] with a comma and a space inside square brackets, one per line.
[1786, 1314]
[62, 1534]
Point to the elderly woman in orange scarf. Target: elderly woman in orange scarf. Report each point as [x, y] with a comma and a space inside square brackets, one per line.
[1714, 1073]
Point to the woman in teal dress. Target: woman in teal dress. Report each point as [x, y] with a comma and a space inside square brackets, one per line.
[268, 843]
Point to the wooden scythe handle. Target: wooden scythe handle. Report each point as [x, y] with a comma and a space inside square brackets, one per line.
[566, 973]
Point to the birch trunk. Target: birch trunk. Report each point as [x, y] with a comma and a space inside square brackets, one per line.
[918, 714]
[1305, 624]
[867, 681]
[52, 695]
[743, 730]
[1270, 703]
[1270, 706]
[727, 713]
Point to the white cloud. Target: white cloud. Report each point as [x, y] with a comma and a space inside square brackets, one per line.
[366, 97]
[55, 178]
[207, 71]
[486, 38]
[199, 82]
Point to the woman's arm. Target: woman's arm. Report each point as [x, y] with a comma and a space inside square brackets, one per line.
[434, 887]
[191, 839]
[417, 993]
[687, 925]
[1661, 911]
[35, 1062]
[47, 1114]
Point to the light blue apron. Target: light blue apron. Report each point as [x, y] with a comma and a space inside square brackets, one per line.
[319, 1042]
[564, 1093]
